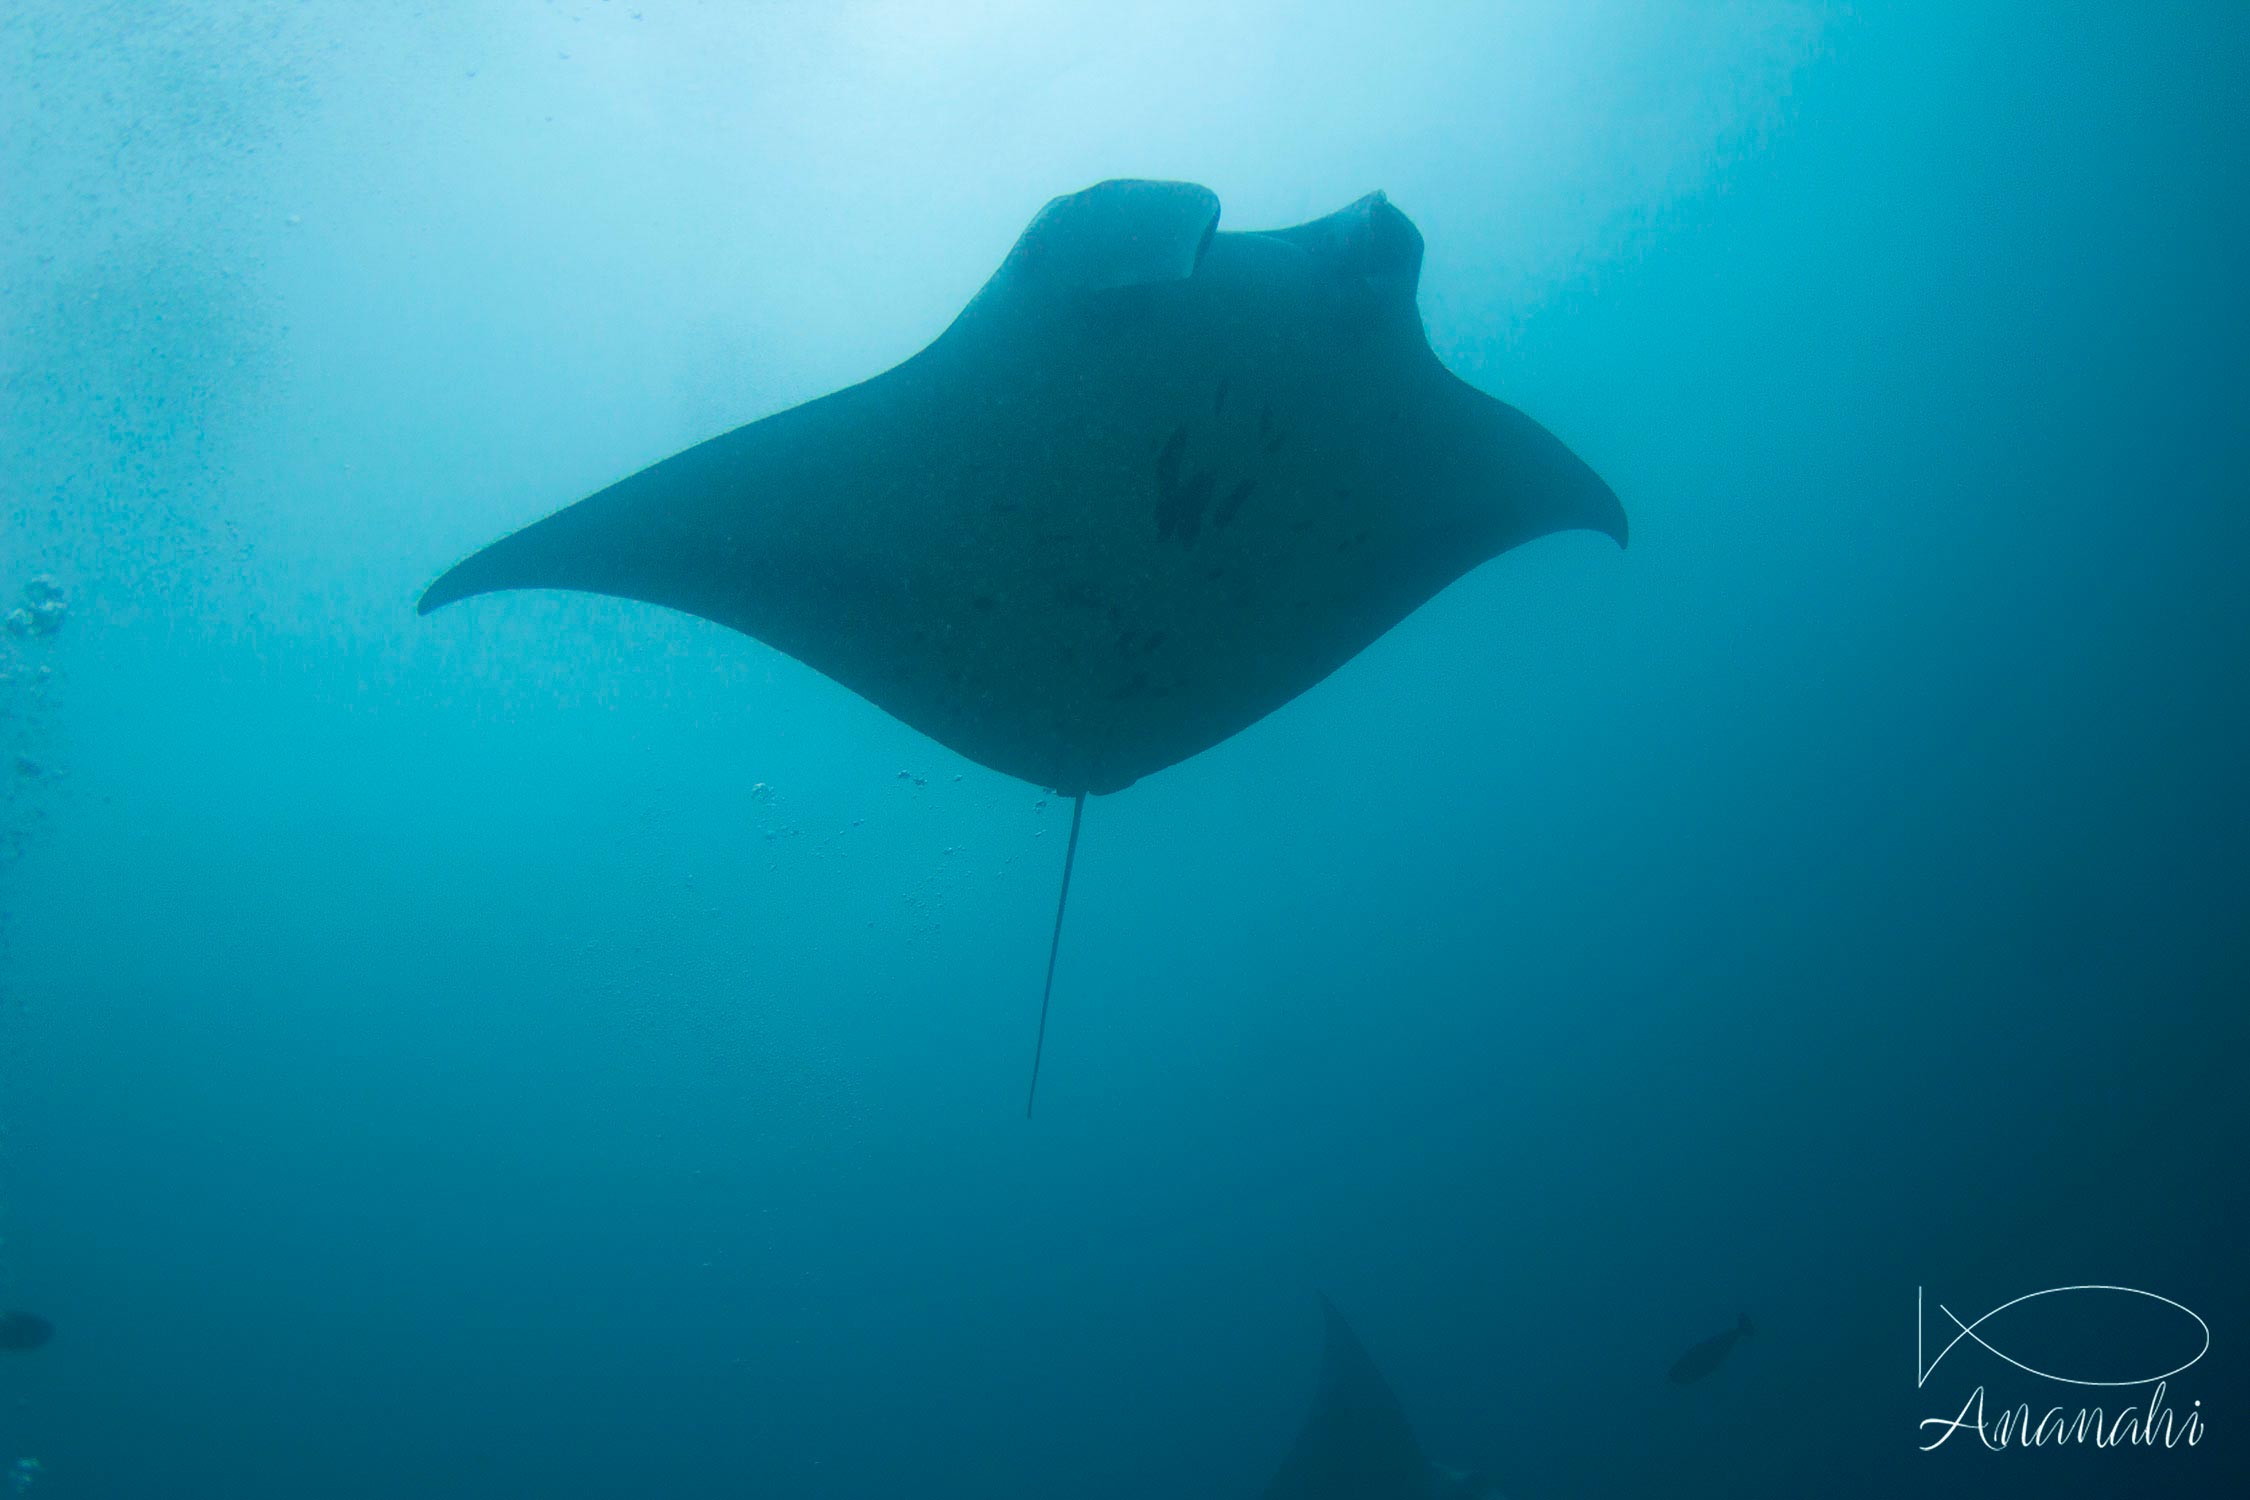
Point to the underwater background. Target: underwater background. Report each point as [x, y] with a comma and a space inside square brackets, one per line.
[564, 1048]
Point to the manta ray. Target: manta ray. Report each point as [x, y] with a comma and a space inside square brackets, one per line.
[1356, 1443]
[1153, 482]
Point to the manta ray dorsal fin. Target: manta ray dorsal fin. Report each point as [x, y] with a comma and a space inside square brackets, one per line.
[1368, 238]
[1356, 1443]
[1115, 234]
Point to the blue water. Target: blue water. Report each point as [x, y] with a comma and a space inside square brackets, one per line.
[550, 1049]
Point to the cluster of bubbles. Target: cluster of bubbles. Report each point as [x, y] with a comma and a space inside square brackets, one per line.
[931, 890]
[773, 822]
[42, 612]
[38, 615]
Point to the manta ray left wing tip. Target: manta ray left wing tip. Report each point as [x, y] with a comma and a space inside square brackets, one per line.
[450, 587]
[593, 546]
[470, 576]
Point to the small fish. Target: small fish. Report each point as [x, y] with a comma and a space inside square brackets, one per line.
[1711, 1353]
[21, 1331]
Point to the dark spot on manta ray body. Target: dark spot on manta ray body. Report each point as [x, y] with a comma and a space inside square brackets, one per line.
[982, 601]
[1134, 686]
[1168, 461]
[1219, 401]
[1195, 496]
[1180, 504]
[1233, 501]
[1154, 639]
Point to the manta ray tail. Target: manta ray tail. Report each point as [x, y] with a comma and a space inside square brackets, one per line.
[1054, 946]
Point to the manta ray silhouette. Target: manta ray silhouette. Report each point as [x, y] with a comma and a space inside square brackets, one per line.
[1153, 482]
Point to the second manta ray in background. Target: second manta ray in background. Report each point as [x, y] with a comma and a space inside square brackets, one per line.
[1356, 1443]
[1153, 482]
